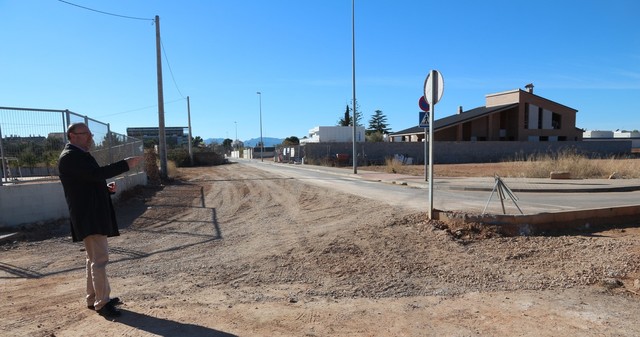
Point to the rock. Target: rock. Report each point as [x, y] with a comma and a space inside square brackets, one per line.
[636, 284]
[612, 283]
[614, 175]
[560, 175]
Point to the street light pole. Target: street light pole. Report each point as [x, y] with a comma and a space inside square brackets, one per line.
[261, 141]
[353, 81]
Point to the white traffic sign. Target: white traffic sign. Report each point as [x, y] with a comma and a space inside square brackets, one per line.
[433, 87]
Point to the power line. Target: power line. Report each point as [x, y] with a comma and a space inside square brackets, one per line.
[138, 109]
[134, 18]
[170, 71]
[107, 13]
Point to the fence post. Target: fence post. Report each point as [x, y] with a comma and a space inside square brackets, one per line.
[3, 163]
[66, 117]
[109, 143]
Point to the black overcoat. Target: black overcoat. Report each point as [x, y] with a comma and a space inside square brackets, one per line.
[85, 189]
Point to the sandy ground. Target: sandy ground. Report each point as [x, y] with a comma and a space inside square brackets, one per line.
[232, 251]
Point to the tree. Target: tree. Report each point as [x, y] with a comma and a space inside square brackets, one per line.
[197, 141]
[293, 140]
[54, 143]
[375, 136]
[227, 144]
[346, 120]
[29, 159]
[378, 123]
[149, 142]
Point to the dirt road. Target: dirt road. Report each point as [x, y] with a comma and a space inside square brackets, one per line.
[235, 251]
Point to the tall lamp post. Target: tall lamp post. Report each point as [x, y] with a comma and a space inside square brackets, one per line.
[261, 142]
[236, 140]
[353, 81]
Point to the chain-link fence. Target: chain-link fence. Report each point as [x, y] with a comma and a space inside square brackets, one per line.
[31, 141]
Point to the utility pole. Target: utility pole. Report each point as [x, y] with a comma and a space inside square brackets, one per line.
[261, 141]
[162, 144]
[189, 138]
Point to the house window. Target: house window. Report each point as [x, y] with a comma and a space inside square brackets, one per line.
[532, 116]
[540, 113]
[556, 121]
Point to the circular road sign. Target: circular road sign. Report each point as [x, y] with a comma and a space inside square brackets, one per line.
[422, 103]
[433, 87]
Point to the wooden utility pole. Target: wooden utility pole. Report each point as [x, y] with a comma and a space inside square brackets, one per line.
[162, 143]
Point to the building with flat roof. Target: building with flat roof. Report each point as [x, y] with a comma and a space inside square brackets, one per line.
[334, 134]
[176, 135]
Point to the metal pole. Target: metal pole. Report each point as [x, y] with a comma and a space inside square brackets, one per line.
[353, 80]
[189, 137]
[261, 141]
[4, 162]
[109, 139]
[162, 145]
[432, 112]
[426, 163]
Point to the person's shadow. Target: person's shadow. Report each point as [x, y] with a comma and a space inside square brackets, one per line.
[166, 327]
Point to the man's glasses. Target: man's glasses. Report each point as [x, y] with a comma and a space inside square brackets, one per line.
[83, 133]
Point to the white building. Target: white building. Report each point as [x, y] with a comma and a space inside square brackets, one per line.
[597, 134]
[633, 136]
[334, 134]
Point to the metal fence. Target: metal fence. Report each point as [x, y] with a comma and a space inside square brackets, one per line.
[31, 141]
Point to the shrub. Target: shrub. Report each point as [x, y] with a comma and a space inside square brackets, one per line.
[392, 166]
[180, 157]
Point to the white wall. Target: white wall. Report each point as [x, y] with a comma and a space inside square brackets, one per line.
[26, 203]
[597, 134]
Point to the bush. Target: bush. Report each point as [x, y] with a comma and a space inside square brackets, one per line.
[392, 166]
[179, 156]
[151, 166]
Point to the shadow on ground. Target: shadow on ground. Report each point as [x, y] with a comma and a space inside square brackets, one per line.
[166, 327]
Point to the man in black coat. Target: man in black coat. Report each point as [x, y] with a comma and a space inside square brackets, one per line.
[92, 216]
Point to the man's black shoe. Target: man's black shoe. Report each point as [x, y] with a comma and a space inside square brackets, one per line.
[113, 301]
[109, 311]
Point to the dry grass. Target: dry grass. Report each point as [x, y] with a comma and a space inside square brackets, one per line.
[539, 166]
[393, 166]
[578, 166]
[172, 169]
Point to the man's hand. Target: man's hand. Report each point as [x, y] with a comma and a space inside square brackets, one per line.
[133, 161]
[112, 187]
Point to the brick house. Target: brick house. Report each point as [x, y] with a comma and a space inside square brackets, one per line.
[515, 115]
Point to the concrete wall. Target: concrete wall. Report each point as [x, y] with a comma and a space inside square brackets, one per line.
[26, 203]
[461, 152]
[550, 223]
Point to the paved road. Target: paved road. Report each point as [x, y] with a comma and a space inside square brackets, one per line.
[533, 196]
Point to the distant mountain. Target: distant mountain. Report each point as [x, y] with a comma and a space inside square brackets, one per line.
[268, 141]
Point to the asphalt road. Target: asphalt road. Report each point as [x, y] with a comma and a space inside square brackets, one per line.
[462, 194]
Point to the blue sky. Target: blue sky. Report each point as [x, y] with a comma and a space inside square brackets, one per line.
[582, 54]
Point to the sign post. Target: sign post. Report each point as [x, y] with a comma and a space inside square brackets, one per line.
[433, 88]
[423, 122]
